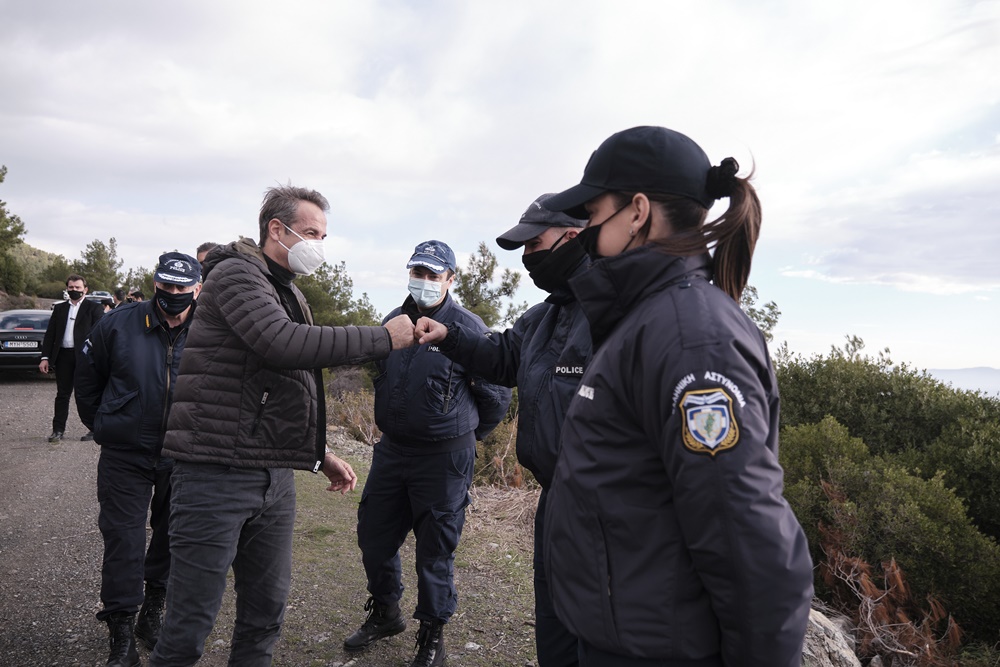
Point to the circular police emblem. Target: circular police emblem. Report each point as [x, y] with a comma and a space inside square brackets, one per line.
[709, 424]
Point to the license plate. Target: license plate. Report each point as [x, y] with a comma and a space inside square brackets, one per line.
[20, 344]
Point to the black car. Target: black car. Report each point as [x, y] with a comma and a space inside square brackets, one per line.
[21, 335]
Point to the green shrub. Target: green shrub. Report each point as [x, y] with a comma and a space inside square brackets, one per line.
[967, 454]
[874, 509]
[52, 289]
[892, 408]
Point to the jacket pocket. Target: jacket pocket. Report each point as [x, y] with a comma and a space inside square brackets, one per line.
[259, 414]
[440, 396]
[577, 564]
[117, 420]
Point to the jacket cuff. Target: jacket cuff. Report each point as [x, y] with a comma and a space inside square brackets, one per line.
[450, 343]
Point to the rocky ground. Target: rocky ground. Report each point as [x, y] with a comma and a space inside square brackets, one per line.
[50, 554]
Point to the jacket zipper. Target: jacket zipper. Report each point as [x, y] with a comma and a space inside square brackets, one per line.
[447, 391]
[260, 411]
[166, 394]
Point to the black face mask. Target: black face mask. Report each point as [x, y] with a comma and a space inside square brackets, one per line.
[532, 260]
[588, 241]
[550, 269]
[173, 304]
[74, 295]
[588, 237]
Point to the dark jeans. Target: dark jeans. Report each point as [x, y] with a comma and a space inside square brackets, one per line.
[427, 493]
[64, 369]
[554, 644]
[592, 657]
[125, 482]
[222, 517]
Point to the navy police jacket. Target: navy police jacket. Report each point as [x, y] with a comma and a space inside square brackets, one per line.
[544, 355]
[126, 377]
[666, 534]
[426, 402]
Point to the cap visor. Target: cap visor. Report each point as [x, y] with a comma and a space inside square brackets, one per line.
[434, 266]
[571, 201]
[171, 279]
[516, 236]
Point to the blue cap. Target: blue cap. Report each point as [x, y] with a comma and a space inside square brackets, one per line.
[176, 268]
[434, 255]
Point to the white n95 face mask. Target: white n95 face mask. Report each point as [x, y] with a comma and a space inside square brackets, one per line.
[425, 292]
[305, 256]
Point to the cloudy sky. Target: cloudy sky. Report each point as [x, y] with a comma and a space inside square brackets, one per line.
[874, 129]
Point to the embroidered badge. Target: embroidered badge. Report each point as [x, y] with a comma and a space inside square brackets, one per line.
[709, 425]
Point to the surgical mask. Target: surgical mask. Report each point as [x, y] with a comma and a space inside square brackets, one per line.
[305, 256]
[74, 295]
[425, 292]
[173, 304]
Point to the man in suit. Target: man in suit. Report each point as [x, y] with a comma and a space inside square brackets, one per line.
[69, 325]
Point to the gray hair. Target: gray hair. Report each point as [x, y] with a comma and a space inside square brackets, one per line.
[282, 202]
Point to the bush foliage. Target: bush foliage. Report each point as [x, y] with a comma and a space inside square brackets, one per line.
[887, 465]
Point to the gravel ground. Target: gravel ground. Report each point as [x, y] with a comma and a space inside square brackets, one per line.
[50, 548]
[50, 556]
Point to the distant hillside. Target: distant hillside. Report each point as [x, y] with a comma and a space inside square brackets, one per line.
[982, 378]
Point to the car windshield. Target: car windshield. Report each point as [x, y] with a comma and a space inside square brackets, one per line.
[24, 322]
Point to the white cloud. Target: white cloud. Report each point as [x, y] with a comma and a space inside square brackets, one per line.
[873, 125]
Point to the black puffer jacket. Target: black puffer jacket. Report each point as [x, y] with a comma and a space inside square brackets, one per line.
[544, 355]
[246, 393]
[126, 375]
[666, 535]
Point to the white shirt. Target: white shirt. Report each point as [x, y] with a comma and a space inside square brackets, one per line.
[74, 308]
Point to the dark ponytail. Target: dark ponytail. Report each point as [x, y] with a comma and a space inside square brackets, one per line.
[735, 234]
[731, 237]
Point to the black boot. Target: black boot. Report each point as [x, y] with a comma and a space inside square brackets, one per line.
[122, 653]
[147, 626]
[430, 645]
[383, 621]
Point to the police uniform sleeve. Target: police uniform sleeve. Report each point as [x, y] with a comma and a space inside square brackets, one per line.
[91, 375]
[495, 358]
[718, 442]
[492, 400]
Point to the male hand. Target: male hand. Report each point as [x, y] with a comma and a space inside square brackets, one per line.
[340, 474]
[429, 331]
[43, 366]
[400, 331]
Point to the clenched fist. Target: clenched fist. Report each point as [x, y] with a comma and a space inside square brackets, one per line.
[400, 330]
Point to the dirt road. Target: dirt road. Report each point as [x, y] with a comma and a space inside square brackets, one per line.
[50, 555]
[50, 548]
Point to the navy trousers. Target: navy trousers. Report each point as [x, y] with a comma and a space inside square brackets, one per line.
[425, 493]
[126, 483]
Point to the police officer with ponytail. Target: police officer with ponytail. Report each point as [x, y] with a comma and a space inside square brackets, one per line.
[667, 539]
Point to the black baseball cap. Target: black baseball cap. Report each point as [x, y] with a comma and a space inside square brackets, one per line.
[534, 221]
[647, 159]
[176, 268]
